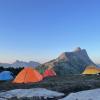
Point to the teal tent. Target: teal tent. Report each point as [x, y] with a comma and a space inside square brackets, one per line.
[6, 75]
[42, 69]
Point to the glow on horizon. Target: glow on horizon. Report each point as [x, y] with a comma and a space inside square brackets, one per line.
[40, 59]
[27, 58]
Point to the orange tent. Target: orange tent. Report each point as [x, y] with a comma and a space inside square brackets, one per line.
[28, 75]
[49, 72]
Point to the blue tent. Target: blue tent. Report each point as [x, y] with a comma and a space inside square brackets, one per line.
[6, 75]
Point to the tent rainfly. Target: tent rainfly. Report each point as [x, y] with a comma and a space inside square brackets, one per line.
[91, 70]
[49, 72]
[6, 75]
[28, 75]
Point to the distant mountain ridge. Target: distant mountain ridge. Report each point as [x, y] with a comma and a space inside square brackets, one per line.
[18, 63]
[98, 65]
[71, 62]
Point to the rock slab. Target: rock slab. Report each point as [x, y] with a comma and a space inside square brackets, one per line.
[84, 95]
[29, 93]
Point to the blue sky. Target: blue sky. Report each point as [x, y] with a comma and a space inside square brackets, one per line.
[42, 29]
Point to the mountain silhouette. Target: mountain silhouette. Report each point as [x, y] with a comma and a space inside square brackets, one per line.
[18, 63]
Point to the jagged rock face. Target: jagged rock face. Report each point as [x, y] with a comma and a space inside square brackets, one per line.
[71, 62]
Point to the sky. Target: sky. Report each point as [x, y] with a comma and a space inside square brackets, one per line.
[40, 30]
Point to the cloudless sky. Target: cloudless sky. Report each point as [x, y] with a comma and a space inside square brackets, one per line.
[42, 29]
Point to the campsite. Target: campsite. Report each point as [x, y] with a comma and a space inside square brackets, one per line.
[71, 72]
[49, 49]
[58, 83]
[62, 84]
[57, 78]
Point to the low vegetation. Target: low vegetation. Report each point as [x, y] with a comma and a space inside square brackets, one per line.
[66, 84]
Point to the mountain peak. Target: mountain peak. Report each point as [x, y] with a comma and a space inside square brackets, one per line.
[64, 55]
[77, 49]
[71, 62]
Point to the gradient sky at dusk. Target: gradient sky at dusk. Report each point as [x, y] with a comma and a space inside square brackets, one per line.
[42, 29]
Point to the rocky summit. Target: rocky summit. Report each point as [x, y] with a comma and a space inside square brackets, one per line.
[71, 62]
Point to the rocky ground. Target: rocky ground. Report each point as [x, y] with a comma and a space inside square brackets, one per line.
[66, 84]
[93, 94]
